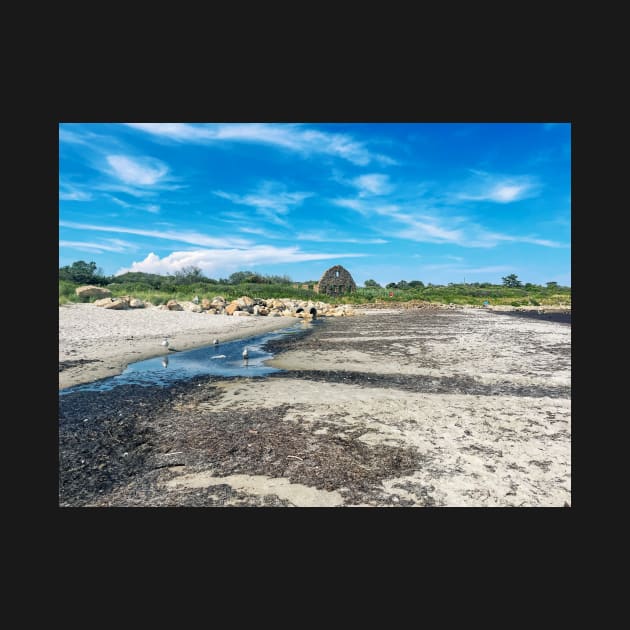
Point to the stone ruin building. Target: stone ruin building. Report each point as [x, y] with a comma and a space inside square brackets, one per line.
[336, 281]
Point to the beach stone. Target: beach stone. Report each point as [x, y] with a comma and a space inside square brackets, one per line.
[191, 307]
[174, 305]
[206, 304]
[241, 314]
[232, 308]
[92, 291]
[136, 303]
[245, 301]
[218, 300]
[114, 304]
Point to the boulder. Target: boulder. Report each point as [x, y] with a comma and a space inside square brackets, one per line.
[192, 307]
[111, 303]
[136, 303]
[91, 291]
[206, 304]
[245, 301]
[232, 308]
[218, 300]
[241, 314]
[174, 305]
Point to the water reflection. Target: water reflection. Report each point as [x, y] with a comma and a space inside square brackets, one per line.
[242, 357]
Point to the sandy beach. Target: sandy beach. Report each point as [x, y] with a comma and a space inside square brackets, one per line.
[390, 408]
[95, 342]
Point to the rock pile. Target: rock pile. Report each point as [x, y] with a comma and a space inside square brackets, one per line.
[242, 307]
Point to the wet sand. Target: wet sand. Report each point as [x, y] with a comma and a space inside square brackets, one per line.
[391, 408]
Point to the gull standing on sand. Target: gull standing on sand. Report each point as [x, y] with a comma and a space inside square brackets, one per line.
[165, 342]
[215, 341]
[245, 354]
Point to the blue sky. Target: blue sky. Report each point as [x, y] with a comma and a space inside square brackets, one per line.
[437, 202]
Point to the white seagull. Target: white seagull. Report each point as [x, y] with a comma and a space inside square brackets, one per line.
[245, 354]
[215, 341]
[165, 342]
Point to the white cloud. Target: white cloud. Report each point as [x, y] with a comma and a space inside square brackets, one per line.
[194, 238]
[318, 237]
[223, 261]
[492, 236]
[137, 171]
[353, 204]
[500, 189]
[428, 232]
[428, 228]
[288, 136]
[74, 194]
[110, 245]
[372, 184]
[270, 200]
[148, 207]
[259, 232]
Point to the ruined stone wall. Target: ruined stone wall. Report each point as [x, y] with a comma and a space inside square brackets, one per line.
[336, 281]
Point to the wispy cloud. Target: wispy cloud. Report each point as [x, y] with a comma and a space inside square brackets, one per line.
[259, 232]
[493, 236]
[421, 226]
[212, 261]
[70, 193]
[148, 207]
[184, 236]
[498, 188]
[292, 137]
[98, 247]
[95, 141]
[318, 237]
[143, 171]
[372, 184]
[270, 199]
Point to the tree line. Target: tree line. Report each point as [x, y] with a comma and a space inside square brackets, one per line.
[87, 273]
[511, 281]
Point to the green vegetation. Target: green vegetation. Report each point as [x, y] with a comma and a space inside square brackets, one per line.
[512, 281]
[188, 282]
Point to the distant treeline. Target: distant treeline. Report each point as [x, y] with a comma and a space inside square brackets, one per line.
[87, 273]
[189, 281]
